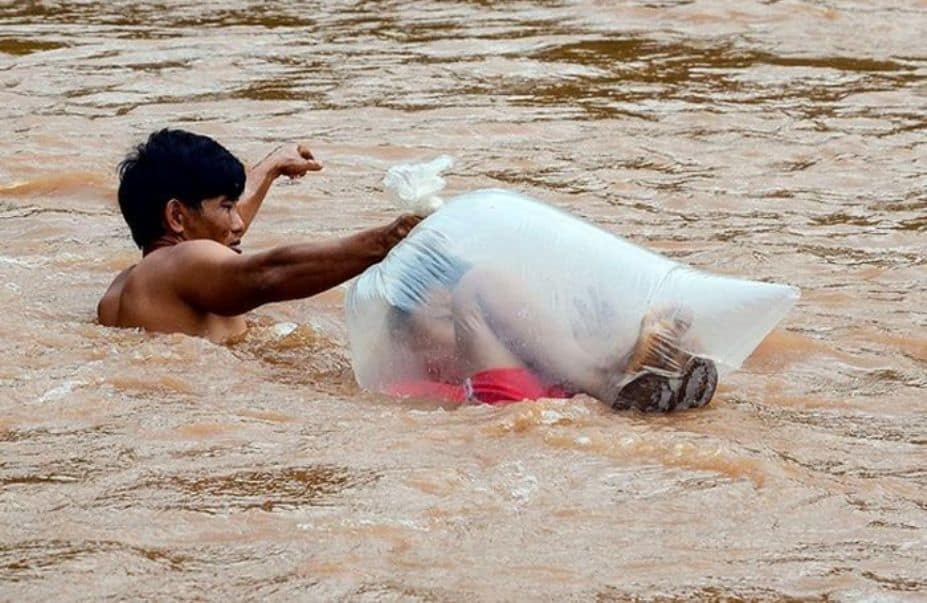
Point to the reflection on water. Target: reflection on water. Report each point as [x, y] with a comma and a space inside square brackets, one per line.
[781, 141]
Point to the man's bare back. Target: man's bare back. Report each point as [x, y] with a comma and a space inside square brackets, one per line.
[188, 203]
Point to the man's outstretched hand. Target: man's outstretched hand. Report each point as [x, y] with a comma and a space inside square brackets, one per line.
[398, 229]
[292, 161]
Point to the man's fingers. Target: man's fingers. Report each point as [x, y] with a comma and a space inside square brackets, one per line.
[298, 170]
[304, 151]
[407, 223]
[311, 165]
[409, 220]
[400, 229]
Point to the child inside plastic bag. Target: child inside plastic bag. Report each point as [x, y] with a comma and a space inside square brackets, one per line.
[480, 336]
[498, 298]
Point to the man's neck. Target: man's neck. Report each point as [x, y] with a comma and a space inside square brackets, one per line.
[165, 240]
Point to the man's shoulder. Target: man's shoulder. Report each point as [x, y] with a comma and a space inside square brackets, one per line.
[164, 265]
[159, 275]
[178, 257]
[188, 249]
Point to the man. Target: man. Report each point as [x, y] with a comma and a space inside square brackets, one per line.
[188, 204]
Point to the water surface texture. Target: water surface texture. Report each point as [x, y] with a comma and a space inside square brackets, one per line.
[778, 140]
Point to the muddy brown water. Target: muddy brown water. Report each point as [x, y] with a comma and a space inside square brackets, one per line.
[780, 140]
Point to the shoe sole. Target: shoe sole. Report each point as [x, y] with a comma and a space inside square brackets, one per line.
[656, 393]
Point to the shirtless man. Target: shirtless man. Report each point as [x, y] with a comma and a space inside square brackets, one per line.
[188, 204]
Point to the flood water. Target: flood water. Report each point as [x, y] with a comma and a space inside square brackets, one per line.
[778, 140]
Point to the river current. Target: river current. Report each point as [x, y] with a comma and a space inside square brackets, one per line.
[778, 140]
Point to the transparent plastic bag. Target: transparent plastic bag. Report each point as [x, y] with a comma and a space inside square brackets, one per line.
[415, 186]
[577, 307]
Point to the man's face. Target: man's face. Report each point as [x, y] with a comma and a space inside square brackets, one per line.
[217, 219]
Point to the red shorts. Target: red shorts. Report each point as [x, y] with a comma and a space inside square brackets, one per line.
[493, 386]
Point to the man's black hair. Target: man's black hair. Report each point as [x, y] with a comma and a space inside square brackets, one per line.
[174, 164]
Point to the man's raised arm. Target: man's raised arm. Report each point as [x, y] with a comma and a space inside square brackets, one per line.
[291, 161]
[213, 278]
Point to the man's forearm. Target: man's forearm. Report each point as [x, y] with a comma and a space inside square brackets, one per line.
[257, 184]
[214, 279]
[302, 270]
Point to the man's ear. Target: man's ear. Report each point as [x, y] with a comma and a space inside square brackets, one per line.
[174, 215]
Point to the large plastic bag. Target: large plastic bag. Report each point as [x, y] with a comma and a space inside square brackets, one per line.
[559, 275]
